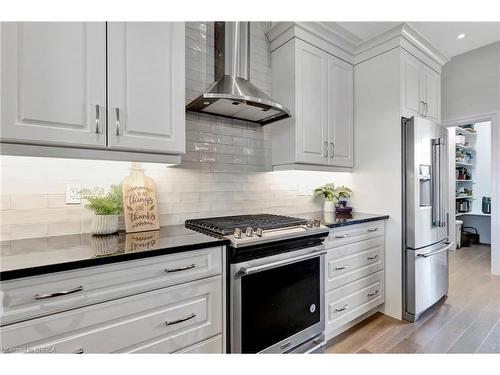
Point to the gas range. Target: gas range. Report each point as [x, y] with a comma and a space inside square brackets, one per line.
[251, 230]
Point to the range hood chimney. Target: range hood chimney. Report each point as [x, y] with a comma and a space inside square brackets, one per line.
[232, 94]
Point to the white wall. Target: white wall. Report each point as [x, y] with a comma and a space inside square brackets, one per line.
[471, 83]
[377, 159]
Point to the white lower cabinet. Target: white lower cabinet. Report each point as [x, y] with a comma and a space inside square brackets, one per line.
[184, 317]
[354, 274]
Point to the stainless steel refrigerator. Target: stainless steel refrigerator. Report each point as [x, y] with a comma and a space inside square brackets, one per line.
[425, 218]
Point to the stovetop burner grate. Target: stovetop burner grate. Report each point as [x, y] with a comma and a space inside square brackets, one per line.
[226, 225]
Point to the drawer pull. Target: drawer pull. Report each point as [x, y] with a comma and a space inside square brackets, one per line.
[373, 257]
[78, 351]
[339, 268]
[345, 235]
[57, 294]
[172, 322]
[372, 229]
[342, 308]
[373, 294]
[170, 270]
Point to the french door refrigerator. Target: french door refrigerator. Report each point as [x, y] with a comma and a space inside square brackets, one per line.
[425, 218]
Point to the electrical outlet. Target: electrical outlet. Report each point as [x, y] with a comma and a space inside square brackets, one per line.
[73, 193]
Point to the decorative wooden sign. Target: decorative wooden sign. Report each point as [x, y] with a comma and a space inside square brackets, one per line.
[139, 201]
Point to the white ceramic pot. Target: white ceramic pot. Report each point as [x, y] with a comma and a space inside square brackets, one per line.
[104, 224]
[328, 206]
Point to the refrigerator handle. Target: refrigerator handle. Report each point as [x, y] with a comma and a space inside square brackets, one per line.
[435, 184]
[442, 182]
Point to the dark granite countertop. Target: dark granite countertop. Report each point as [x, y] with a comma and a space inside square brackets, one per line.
[333, 220]
[36, 256]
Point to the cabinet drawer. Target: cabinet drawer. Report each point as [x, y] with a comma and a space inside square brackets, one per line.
[352, 300]
[351, 262]
[102, 283]
[354, 233]
[210, 346]
[177, 317]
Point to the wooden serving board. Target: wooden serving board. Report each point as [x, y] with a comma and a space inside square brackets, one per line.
[140, 206]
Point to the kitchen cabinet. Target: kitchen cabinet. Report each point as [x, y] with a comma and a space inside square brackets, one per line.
[420, 88]
[53, 87]
[317, 88]
[93, 85]
[131, 306]
[354, 275]
[146, 86]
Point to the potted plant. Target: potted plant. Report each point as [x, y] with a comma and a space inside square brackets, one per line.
[332, 194]
[106, 209]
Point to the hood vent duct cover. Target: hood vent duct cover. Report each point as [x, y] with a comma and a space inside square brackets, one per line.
[232, 94]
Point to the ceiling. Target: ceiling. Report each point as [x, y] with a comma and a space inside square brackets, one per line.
[442, 35]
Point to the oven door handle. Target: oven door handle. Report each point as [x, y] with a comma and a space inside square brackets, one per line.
[247, 271]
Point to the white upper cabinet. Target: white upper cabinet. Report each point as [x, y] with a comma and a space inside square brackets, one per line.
[340, 112]
[53, 85]
[317, 88]
[420, 89]
[432, 93]
[58, 89]
[311, 112]
[146, 86]
[411, 81]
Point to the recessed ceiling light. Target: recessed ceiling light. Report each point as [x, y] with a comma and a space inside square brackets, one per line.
[461, 36]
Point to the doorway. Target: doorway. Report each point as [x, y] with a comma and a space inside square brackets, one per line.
[474, 146]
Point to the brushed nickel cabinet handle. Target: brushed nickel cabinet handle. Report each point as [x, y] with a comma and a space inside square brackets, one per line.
[170, 270]
[339, 268]
[421, 113]
[97, 119]
[172, 322]
[345, 235]
[372, 229]
[333, 149]
[342, 308]
[373, 257]
[426, 109]
[57, 294]
[117, 120]
[373, 294]
[79, 351]
[325, 154]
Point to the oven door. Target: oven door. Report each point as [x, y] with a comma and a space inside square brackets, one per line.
[277, 302]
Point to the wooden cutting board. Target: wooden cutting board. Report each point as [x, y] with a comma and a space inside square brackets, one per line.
[140, 207]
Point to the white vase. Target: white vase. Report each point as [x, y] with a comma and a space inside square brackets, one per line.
[328, 206]
[104, 224]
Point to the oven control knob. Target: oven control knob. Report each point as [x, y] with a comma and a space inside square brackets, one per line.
[317, 223]
[309, 223]
[258, 232]
[249, 232]
[237, 233]
[312, 308]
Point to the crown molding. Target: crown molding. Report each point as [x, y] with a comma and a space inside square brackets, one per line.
[336, 40]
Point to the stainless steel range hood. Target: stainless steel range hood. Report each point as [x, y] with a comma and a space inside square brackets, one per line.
[232, 94]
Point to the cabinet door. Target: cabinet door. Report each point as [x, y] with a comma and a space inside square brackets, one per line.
[340, 112]
[146, 86]
[432, 90]
[53, 77]
[311, 107]
[411, 81]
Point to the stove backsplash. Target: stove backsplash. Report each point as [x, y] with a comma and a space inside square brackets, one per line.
[226, 169]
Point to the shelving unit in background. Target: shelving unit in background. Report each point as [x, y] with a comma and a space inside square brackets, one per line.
[465, 159]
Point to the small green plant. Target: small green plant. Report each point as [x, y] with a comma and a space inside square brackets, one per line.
[109, 204]
[332, 193]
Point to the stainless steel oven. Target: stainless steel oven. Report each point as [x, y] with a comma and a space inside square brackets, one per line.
[277, 303]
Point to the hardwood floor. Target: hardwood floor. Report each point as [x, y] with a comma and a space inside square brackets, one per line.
[467, 322]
